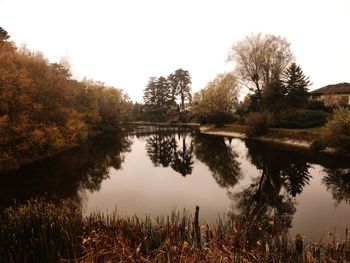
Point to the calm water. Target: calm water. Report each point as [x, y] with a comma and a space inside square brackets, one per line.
[153, 172]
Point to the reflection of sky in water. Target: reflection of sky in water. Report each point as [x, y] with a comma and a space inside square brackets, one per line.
[317, 211]
[222, 176]
[142, 189]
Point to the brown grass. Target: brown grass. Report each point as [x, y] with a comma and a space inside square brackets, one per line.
[40, 231]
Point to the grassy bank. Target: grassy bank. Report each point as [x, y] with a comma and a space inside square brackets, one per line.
[41, 231]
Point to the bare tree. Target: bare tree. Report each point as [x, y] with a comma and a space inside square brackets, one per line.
[260, 59]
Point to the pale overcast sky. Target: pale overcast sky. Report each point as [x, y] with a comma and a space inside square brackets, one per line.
[123, 43]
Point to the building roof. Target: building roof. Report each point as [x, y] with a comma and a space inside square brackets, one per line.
[340, 88]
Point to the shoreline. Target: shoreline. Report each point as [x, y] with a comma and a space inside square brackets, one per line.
[165, 124]
[6, 168]
[275, 136]
[268, 139]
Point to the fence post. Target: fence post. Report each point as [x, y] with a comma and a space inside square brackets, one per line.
[197, 231]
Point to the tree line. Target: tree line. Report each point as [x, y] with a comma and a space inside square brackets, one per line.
[264, 64]
[43, 109]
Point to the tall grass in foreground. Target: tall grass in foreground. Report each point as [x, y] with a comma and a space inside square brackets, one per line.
[40, 231]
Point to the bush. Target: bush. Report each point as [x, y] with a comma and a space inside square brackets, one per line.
[318, 145]
[217, 118]
[256, 124]
[318, 105]
[337, 130]
[304, 119]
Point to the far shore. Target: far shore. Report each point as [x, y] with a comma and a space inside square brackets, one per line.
[301, 138]
[277, 136]
[295, 138]
[165, 124]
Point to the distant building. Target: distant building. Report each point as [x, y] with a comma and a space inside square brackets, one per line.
[333, 95]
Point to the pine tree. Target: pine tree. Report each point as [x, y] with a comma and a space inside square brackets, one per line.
[157, 98]
[180, 83]
[296, 84]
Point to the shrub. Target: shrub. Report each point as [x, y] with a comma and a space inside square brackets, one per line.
[256, 124]
[318, 145]
[217, 118]
[318, 105]
[337, 130]
[304, 119]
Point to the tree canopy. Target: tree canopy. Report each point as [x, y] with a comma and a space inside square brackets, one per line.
[217, 101]
[42, 109]
[161, 94]
[260, 60]
[180, 81]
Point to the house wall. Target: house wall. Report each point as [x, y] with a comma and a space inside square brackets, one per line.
[335, 99]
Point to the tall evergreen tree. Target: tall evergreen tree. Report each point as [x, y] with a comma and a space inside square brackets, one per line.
[296, 84]
[157, 97]
[150, 97]
[163, 91]
[274, 96]
[180, 83]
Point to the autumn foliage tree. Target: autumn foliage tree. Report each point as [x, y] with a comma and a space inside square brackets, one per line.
[217, 101]
[43, 110]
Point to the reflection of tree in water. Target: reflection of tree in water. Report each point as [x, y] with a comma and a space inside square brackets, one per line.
[162, 148]
[183, 158]
[337, 182]
[269, 199]
[63, 176]
[220, 158]
[100, 158]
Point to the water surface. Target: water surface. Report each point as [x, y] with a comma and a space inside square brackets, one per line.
[154, 171]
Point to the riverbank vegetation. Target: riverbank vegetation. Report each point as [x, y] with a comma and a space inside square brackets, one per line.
[41, 231]
[43, 110]
[336, 132]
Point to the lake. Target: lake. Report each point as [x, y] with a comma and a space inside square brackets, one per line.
[154, 171]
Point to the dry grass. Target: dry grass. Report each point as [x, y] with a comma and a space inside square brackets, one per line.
[43, 232]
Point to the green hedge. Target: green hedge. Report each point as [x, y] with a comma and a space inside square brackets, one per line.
[304, 119]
